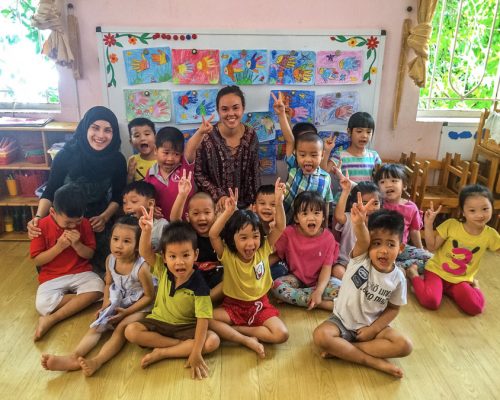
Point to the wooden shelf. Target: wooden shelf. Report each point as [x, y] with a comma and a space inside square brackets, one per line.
[14, 236]
[14, 201]
[25, 165]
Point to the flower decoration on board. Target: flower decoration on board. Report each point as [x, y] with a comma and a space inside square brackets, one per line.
[115, 39]
[371, 55]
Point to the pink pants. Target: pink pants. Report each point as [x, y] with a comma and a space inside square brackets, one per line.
[429, 292]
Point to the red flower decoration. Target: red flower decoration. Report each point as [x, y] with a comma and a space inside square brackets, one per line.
[109, 39]
[164, 36]
[113, 58]
[156, 36]
[372, 43]
[132, 40]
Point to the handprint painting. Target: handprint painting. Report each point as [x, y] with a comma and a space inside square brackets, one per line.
[263, 125]
[243, 67]
[197, 67]
[290, 67]
[150, 65]
[153, 104]
[336, 108]
[191, 105]
[338, 67]
[299, 102]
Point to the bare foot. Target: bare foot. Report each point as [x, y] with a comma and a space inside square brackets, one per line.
[475, 284]
[155, 356]
[88, 366]
[60, 363]
[254, 344]
[44, 324]
[412, 272]
[387, 367]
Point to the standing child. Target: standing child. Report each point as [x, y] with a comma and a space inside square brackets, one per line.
[459, 247]
[141, 133]
[178, 324]
[128, 293]
[237, 236]
[343, 221]
[310, 250]
[392, 181]
[372, 292]
[62, 253]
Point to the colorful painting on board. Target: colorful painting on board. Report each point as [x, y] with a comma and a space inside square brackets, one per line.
[336, 108]
[150, 65]
[290, 67]
[188, 133]
[191, 105]
[262, 123]
[267, 159]
[195, 67]
[243, 67]
[300, 102]
[339, 67]
[148, 103]
[342, 140]
[280, 144]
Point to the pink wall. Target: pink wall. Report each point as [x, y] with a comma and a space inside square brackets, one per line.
[287, 15]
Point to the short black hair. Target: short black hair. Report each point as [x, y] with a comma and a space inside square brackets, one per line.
[308, 137]
[230, 90]
[237, 222]
[201, 195]
[361, 120]
[142, 188]
[140, 122]
[70, 200]
[387, 171]
[303, 127]
[387, 220]
[364, 187]
[474, 190]
[309, 200]
[132, 222]
[171, 135]
[178, 232]
[265, 189]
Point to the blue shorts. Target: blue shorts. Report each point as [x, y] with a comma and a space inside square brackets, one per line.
[345, 333]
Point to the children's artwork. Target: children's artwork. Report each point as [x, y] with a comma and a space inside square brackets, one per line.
[342, 140]
[188, 133]
[150, 65]
[267, 159]
[195, 66]
[300, 102]
[243, 67]
[262, 123]
[336, 108]
[191, 105]
[339, 67]
[279, 142]
[149, 103]
[292, 67]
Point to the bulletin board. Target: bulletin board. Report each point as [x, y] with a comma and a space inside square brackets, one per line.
[172, 77]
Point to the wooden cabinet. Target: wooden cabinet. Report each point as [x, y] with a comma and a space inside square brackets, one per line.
[28, 166]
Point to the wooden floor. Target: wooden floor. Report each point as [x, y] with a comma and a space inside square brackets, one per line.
[454, 357]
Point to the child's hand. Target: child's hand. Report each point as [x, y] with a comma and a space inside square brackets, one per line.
[345, 183]
[219, 207]
[98, 223]
[359, 211]
[231, 203]
[206, 127]
[329, 144]
[146, 220]
[132, 164]
[104, 306]
[63, 241]
[74, 236]
[335, 168]
[366, 333]
[120, 314]
[278, 106]
[316, 298]
[184, 184]
[199, 369]
[430, 214]
[279, 191]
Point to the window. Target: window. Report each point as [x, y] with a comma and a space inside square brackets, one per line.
[28, 80]
[463, 73]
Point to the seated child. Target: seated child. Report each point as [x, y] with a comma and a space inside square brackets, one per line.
[237, 236]
[310, 251]
[201, 216]
[459, 247]
[128, 294]
[142, 194]
[343, 225]
[392, 180]
[141, 133]
[62, 253]
[373, 289]
[178, 324]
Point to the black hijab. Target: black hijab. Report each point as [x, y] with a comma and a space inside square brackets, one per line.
[85, 160]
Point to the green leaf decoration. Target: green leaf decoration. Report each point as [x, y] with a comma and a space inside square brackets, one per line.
[118, 44]
[366, 76]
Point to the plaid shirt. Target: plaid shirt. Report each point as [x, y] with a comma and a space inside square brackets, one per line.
[297, 182]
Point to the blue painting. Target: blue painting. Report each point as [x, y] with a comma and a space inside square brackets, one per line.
[300, 103]
[290, 67]
[336, 108]
[191, 105]
[150, 65]
[188, 133]
[342, 140]
[262, 123]
[267, 159]
[243, 67]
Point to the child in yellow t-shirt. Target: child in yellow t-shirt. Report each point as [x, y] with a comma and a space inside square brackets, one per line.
[142, 138]
[459, 247]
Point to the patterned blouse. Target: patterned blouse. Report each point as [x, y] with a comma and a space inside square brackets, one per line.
[217, 169]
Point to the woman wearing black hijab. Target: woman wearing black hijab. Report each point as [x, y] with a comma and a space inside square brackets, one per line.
[91, 160]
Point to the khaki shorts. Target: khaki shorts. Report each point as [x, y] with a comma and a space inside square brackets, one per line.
[181, 331]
